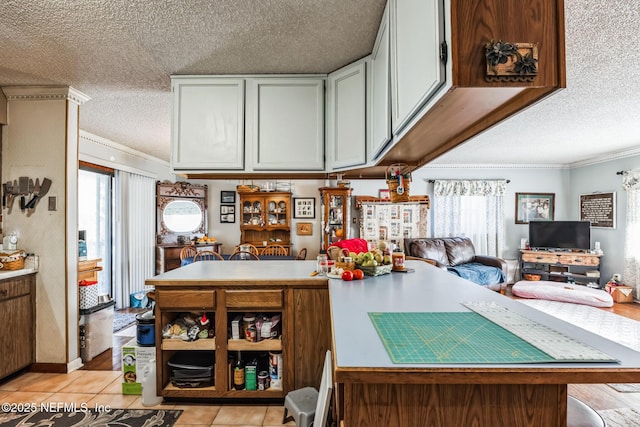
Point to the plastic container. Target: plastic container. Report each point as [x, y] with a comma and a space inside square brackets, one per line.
[149, 396]
[146, 329]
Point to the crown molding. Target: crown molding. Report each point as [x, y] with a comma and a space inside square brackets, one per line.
[44, 93]
[119, 147]
[608, 157]
[493, 166]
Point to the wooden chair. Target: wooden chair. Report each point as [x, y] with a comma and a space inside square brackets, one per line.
[247, 247]
[188, 252]
[275, 250]
[207, 255]
[301, 255]
[243, 256]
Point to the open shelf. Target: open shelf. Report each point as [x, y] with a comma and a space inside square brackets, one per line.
[265, 345]
[199, 344]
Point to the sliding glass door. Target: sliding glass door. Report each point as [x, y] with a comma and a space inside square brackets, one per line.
[94, 218]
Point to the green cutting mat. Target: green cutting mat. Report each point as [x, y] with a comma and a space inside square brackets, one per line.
[459, 337]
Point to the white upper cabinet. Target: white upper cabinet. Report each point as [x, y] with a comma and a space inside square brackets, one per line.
[207, 123]
[346, 116]
[380, 103]
[287, 123]
[417, 31]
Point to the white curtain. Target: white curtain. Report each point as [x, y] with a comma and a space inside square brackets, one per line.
[631, 275]
[471, 208]
[134, 234]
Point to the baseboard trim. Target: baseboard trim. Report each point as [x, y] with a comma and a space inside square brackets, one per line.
[49, 368]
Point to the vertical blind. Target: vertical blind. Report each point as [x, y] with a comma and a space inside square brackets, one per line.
[134, 234]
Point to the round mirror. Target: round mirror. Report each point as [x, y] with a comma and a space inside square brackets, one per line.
[181, 216]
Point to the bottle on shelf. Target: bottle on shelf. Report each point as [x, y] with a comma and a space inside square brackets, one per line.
[238, 373]
[251, 374]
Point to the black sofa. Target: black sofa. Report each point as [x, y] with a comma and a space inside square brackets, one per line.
[449, 253]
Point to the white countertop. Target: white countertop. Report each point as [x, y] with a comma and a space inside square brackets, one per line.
[247, 271]
[8, 274]
[430, 289]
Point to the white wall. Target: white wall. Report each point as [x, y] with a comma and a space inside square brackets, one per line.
[41, 141]
[602, 177]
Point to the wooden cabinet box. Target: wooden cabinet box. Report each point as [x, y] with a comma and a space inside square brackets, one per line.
[265, 217]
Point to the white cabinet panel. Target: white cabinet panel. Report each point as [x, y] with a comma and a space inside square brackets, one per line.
[416, 69]
[380, 90]
[208, 123]
[288, 123]
[346, 116]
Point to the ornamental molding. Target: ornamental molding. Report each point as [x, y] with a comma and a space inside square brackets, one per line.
[44, 93]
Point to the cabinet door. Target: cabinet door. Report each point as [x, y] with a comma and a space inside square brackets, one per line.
[416, 70]
[380, 91]
[16, 340]
[346, 116]
[288, 124]
[312, 335]
[208, 123]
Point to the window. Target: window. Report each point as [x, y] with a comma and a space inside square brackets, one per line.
[473, 209]
[94, 218]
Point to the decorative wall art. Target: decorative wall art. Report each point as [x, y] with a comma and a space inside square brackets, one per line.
[304, 207]
[599, 209]
[227, 197]
[228, 213]
[304, 229]
[534, 207]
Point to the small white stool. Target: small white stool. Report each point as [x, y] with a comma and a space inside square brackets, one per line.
[302, 405]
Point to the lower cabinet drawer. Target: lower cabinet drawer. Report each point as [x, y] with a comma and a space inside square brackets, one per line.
[186, 299]
[14, 288]
[579, 260]
[544, 258]
[258, 299]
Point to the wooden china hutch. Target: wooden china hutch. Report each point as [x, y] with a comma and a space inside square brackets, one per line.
[265, 219]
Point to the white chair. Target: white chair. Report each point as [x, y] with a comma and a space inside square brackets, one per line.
[309, 406]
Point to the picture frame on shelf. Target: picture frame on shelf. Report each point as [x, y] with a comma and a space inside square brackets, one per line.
[227, 197]
[227, 213]
[304, 229]
[384, 194]
[534, 207]
[304, 207]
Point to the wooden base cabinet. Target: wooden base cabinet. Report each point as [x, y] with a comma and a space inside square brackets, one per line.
[17, 339]
[304, 325]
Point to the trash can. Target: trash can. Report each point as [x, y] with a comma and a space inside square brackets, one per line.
[96, 330]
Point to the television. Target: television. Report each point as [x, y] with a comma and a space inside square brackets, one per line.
[560, 235]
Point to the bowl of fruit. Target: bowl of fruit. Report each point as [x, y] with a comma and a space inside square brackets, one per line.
[373, 263]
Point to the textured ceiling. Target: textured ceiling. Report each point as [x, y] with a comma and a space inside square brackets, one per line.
[121, 54]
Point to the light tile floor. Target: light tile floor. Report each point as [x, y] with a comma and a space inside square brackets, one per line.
[93, 388]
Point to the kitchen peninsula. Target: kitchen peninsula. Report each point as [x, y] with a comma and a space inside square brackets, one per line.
[370, 389]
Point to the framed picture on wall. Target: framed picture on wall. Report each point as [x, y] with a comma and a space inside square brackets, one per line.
[227, 197]
[304, 207]
[534, 207]
[227, 213]
[304, 229]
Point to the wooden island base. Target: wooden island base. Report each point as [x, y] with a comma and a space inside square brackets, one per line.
[444, 405]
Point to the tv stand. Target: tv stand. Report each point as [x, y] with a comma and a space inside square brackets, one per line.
[560, 266]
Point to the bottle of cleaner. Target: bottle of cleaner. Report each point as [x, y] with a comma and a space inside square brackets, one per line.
[149, 396]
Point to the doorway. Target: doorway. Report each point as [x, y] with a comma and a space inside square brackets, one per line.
[95, 218]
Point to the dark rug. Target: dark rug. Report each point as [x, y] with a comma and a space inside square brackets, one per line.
[92, 418]
[123, 320]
